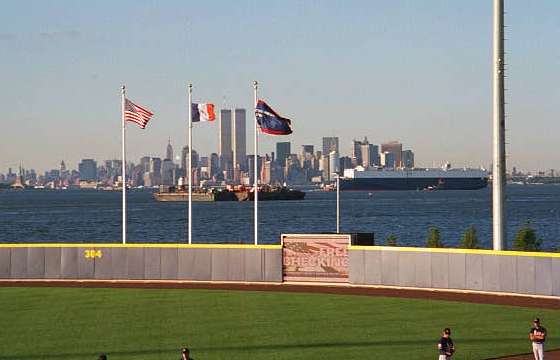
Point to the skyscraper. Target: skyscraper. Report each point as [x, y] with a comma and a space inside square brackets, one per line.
[356, 152]
[283, 150]
[374, 155]
[388, 159]
[334, 164]
[239, 142]
[307, 149]
[145, 163]
[169, 151]
[214, 164]
[408, 159]
[88, 170]
[155, 170]
[225, 150]
[394, 147]
[167, 169]
[364, 149]
[330, 144]
[184, 156]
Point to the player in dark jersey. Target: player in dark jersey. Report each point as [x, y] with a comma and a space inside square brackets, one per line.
[537, 335]
[445, 345]
[185, 354]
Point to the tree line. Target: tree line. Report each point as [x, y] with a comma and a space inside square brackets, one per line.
[525, 239]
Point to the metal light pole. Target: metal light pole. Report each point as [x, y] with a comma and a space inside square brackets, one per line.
[499, 158]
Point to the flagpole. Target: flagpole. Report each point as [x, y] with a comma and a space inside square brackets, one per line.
[123, 166]
[256, 188]
[337, 203]
[190, 165]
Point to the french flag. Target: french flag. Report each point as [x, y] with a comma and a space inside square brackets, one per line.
[270, 122]
[203, 112]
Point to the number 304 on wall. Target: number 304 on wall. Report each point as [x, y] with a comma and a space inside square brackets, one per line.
[92, 254]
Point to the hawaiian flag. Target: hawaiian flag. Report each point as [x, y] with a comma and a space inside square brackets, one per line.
[203, 112]
[270, 122]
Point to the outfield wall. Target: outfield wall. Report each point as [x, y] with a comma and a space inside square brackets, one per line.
[141, 261]
[454, 269]
[458, 269]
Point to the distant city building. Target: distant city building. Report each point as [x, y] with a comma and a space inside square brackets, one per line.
[307, 157]
[266, 171]
[324, 167]
[307, 149]
[356, 152]
[408, 159]
[88, 170]
[364, 148]
[330, 144]
[145, 163]
[334, 164]
[239, 142]
[167, 172]
[394, 147]
[184, 157]
[214, 164]
[251, 163]
[225, 150]
[374, 155]
[169, 151]
[155, 171]
[345, 163]
[389, 159]
[283, 150]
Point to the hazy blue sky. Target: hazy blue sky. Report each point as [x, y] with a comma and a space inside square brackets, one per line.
[414, 71]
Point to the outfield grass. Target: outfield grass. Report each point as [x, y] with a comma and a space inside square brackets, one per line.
[58, 323]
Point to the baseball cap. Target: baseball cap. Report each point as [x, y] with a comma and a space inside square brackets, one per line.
[537, 320]
[185, 350]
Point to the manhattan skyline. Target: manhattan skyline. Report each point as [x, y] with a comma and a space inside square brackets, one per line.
[417, 73]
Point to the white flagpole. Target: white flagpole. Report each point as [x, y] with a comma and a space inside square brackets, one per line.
[123, 167]
[337, 203]
[256, 188]
[190, 164]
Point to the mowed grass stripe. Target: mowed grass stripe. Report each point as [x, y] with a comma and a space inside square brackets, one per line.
[71, 323]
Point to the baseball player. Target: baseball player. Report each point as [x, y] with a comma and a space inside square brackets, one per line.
[445, 345]
[537, 335]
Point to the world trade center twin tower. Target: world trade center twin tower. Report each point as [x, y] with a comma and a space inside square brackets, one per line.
[232, 150]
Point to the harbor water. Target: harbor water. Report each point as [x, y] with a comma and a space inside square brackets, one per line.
[95, 216]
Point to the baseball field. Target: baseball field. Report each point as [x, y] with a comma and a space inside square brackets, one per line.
[80, 323]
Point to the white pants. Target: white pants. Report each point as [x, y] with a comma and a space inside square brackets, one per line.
[442, 357]
[538, 351]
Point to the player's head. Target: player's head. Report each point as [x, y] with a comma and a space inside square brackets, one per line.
[102, 357]
[447, 332]
[537, 321]
[185, 352]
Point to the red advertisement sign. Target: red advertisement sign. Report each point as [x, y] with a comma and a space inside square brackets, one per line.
[317, 258]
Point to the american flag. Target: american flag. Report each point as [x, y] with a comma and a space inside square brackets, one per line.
[136, 114]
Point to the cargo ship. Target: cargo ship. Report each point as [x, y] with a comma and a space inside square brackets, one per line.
[240, 193]
[446, 178]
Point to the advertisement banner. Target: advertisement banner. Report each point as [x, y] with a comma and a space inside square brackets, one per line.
[315, 258]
